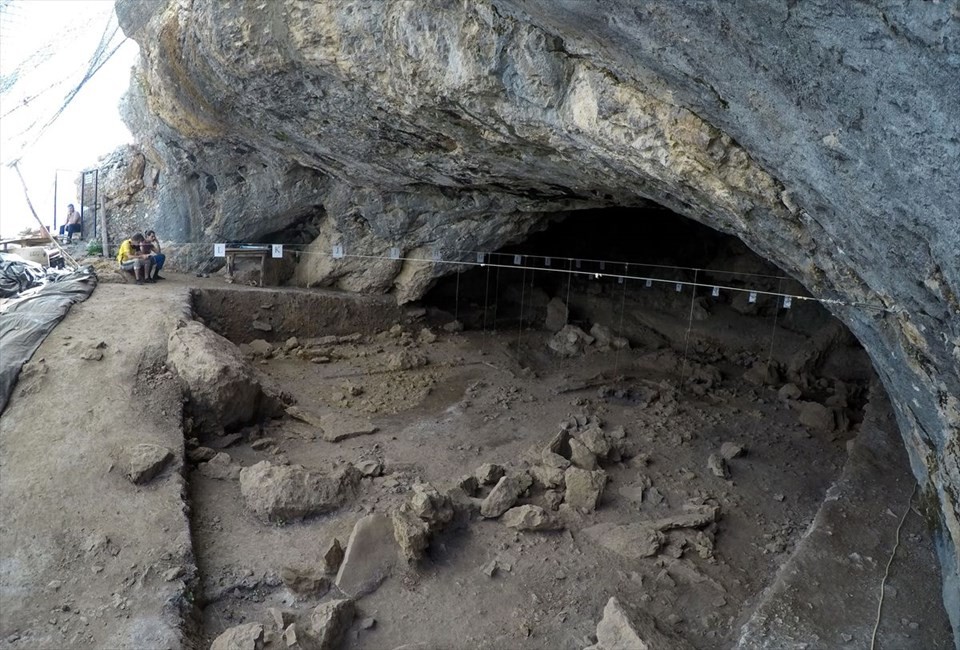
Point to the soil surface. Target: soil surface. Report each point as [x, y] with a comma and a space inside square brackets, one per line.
[442, 404]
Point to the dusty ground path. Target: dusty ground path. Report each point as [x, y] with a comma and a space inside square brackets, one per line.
[87, 558]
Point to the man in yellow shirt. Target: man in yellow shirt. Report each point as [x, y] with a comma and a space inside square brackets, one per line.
[130, 258]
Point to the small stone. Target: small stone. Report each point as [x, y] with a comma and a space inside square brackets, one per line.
[554, 460]
[332, 556]
[552, 499]
[172, 574]
[370, 468]
[846, 638]
[718, 466]
[469, 484]
[144, 461]
[304, 582]
[489, 473]
[426, 337]
[368, 623]
[220, 467]
[557, 315]
[730, 450]
[92, 354]
[654, 496]
[490, 568]
[261, 326]
[584, 488]
[406, 360]
[594, 440]
[248, 636]
[814, 415]
[260, 348]
[453, 326]
[291, 344]
[532, 518]
[788, 392]
[263, 443]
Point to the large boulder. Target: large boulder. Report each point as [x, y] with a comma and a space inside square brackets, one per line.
[284, 493]
[222, 390]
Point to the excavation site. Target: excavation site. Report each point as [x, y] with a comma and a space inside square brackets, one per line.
[494, 325]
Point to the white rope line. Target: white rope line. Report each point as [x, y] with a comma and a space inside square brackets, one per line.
[602, 273]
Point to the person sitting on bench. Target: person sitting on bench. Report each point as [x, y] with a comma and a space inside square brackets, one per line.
[130, 258]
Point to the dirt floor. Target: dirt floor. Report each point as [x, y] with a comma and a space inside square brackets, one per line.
[443, 403]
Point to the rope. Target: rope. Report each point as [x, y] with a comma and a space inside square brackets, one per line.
[886, 572]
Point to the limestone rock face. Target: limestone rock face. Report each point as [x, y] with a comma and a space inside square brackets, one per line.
[826, 136]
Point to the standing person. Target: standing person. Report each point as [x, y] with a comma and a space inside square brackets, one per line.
[130, 258]
[152, 245]
[73, 223]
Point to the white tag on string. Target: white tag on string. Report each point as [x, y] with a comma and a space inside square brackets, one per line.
[219, 250]
[481, 258]
[518, 259]
[620, 280]
[546, 261]
[787, 301]
[648, 283]
[679, 287]
[277, 250]
[436, 256]
[752, 297]
[578, 264]
[715, 292]
[338, 251]
[603, 266]
[394, 253]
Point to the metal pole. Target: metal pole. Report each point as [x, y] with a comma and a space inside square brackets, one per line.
[96, 189]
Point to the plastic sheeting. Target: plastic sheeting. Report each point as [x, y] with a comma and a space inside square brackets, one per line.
[26, 321]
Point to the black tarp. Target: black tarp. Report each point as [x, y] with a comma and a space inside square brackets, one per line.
[26, 320]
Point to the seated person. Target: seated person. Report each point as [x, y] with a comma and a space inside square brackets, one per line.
[73, 223]
[130, 258]
[151, 245]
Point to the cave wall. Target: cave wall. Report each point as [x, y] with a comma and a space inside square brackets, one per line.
[825, 135]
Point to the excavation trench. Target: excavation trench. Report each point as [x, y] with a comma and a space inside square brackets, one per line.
[681, 372]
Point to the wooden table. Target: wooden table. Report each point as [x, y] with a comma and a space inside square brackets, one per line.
[259, 251]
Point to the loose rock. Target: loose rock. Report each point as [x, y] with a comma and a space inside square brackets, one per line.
[718, 466]
[730, 450]
[530, 517]
[632, 541]
[333, 556]
[279, 493]
[582, 457]
[489, 473]
[242, 637]
[304, 582]
[329, 622]
[584, 488]
[220, 467]
[504, 494]
[557, 315]
[144, 461]
[371, 555]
